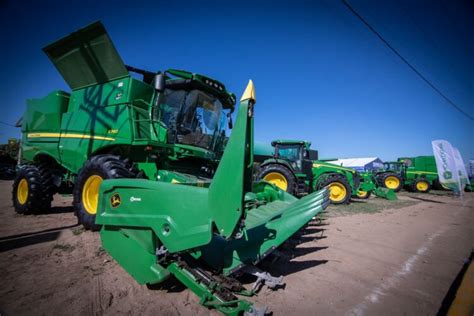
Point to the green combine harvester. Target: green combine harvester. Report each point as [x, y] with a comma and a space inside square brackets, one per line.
[168, 126]
[415, 174]
[145, 160]
[294, 167]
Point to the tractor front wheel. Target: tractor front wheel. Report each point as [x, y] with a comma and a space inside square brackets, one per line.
[421, 186]
[392, 181]
[86, 188]
[363, 195]
[32, 192]
[278, 175]
[339, 188]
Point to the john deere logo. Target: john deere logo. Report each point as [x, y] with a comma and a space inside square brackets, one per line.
[115, 200]
[447, 175]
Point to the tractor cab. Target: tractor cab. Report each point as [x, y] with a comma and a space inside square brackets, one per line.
[395, 166]
[297, 153]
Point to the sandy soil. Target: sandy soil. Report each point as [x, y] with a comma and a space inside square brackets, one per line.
[369, 258]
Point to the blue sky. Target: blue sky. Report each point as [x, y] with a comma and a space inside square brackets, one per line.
[320, 74]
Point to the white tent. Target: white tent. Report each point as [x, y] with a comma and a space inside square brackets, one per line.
[360, 164]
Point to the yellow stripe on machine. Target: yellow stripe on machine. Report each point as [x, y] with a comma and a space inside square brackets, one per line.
[317, 165]
[430, 172]
[66, 135]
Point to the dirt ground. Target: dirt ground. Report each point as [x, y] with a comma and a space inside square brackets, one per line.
[368, 258]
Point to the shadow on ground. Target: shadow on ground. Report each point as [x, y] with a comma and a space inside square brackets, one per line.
[57, 210]
[426, 200]
[31, 238]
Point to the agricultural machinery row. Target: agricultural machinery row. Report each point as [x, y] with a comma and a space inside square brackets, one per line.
[147, 160]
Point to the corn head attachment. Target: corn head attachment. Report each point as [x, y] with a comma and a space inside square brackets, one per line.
[204, 236]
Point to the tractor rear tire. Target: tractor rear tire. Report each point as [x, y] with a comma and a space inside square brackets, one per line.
[421, 186]
[339, 189]
[278, 175]
[32, 190]
[86, 188]
[392, 181]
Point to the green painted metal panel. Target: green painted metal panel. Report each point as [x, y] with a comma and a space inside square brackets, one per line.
[82, 134]
[110, 93]
[263, 149]
[234, 174]
[282, 222]
[135, 248]
[419, 167]
[44, 115]
[321, 168]
[86, 57]
[181, 220]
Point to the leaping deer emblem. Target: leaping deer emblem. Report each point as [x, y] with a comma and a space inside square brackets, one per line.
[115, 200]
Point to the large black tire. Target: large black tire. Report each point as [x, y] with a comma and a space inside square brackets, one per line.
[48, 172]
[389, 180]
[421, 185]
[32, 190]
[278, 175]
[105, 167]
[339, 189]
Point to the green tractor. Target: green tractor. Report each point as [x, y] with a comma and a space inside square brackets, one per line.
[391, 176]
[294, 167]
[415, 174]
[145, 160]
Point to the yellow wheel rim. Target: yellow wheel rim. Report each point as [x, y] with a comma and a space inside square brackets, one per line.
[277, 179]
[422, 186]
[361, 194]
[22, 191]
[90, 193]
[337, 192]
[392, 182]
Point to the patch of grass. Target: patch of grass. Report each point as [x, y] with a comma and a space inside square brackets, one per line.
[78, 230]
[371, 206]
[64, 247]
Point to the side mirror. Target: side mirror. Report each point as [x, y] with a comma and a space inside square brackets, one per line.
[160, 82]
[229, 121]
[313, 154]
